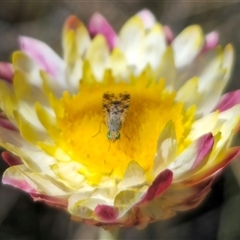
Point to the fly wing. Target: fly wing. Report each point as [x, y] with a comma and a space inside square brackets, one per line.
[107, 100]
[124, 106]
[115, 106]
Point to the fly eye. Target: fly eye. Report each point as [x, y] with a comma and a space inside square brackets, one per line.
[109, 135]
[111, 138]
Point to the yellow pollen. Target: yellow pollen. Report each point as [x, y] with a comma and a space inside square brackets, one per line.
[84, 131]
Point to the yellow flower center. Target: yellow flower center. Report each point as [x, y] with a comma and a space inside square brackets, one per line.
[84, 129]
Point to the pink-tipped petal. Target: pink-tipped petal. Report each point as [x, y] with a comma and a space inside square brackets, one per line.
[90, 222]
[6, 71]
[159, 185]
[5, 123]
[11, 159]
[137, 218]
[147, 18]
[211, 41]
[203, 190]
[46, 58]
[232, 154]
[51, 201]
[228, 100]
[21, 184]
[72, 23]
[106, 213]
[192, 158]
[197, 198]
[99, 25]
[168, 34]
[3, 115]
[205, 145]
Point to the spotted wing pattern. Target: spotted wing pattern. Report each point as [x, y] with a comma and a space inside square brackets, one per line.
[115, 107]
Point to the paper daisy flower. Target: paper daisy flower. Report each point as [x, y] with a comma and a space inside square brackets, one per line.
[126, 128]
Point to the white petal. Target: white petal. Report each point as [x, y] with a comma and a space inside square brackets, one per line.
[133, 176]
[155, 46]
[131, 42]
[74, 75]
[204, 67]
[166, 148]
[228, 59]
[98, 56]
[204, 125]
[43, 184]
[167, 69]
[118, 64]
[188, 93]
[68, 172]
[32, 131]
[126, 199]
[13, 138]
[187, 45]
[212, 93]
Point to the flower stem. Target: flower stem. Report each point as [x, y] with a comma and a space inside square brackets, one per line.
[108, 234]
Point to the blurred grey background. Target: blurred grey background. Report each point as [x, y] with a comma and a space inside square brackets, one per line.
[219, 216]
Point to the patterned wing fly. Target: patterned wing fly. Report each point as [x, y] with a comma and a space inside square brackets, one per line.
[115, 107]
